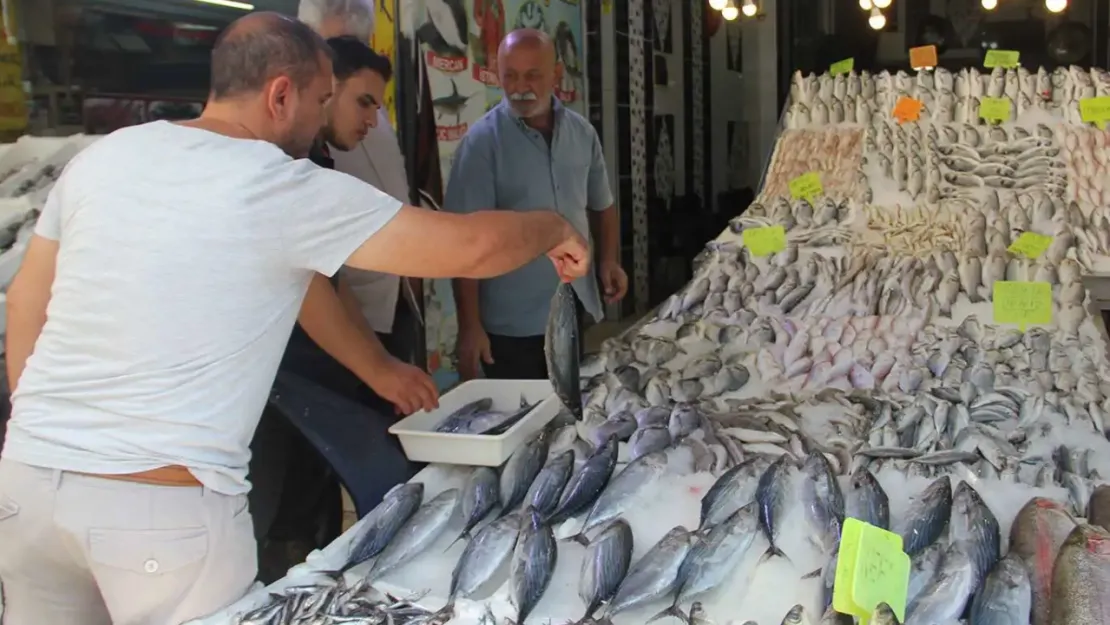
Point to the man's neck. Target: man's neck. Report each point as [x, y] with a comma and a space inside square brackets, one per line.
[543, 123]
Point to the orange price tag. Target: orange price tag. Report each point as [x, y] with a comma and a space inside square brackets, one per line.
[923, 56]
[907, 109]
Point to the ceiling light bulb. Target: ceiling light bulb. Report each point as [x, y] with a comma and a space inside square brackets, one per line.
[730, 12]
[877, 19]
[1055, 6]
[749, 9]
[990, 5]
[718, 5]
[882, 4]
[865, 5]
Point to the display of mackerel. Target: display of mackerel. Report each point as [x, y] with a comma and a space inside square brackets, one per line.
[867, 369]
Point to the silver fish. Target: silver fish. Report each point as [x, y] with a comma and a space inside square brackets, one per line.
[533, 565]
[483, 557]
[653, 576]
[733, 490]
[974, 524]
[867, 501]
[545, 491]
[604, 566]
[480, 495]
[560, 346]
[621, 490]
[423, 529]
[586, 485]
[520, 469]
[945, 598]
[648, 440]
[383, 522]
[927, 517]
[1006, 597]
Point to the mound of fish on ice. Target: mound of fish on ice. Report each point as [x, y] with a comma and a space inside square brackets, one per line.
[856, 373]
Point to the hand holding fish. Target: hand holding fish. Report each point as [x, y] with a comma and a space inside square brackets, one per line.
[572, 256]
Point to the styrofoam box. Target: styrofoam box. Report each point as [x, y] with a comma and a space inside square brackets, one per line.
[422, 444]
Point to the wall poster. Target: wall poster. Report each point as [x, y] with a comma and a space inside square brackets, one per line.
[384, 42]
[458, 40]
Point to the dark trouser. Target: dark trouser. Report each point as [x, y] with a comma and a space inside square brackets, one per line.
[522, 357]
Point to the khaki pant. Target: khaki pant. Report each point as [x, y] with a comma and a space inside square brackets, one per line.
[82, 550]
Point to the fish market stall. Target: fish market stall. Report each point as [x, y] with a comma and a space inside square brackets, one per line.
[914, 348]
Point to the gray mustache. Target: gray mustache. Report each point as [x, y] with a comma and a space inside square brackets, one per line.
[523, 97]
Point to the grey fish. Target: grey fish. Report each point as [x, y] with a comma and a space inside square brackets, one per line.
[924, 568]
[867, 501]
[1006, 598]
[560, 346]
[545, 491]
[824, 501]
[484, 555]
[384, 521]
[712, 560]
[770, 494]
[479, 496]
[1036, 536]
[648, 440]
[533, 565]
[604, 566]
[621, 490]
[735, 489]
[973, 523]
[653, 576]
[423, 529]
[945, 598]
[458, 419]
[1081, 578]
[520, 469]
[586, 485]
[928, 516]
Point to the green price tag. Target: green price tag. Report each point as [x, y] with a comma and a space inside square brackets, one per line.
[1030, 244]
[1022, 303]
[1095, 110]
[871, 569]
[765, 241]
[842, 67]
[995, 109]
[1001, 58]
[807, 186]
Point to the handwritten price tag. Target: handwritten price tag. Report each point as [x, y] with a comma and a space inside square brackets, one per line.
[995, 109]
[765, 241]
[1022, 303]
[842, 67]
[1095, 110]
[907, 109]
[807, 186]
[871, 569]
[1001, 58]
[923, 56]
[1030, 244]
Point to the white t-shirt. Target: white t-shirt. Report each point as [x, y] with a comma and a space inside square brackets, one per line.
[377, 160]
[183, 259]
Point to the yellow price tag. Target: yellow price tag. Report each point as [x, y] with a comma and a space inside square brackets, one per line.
[1001, 58]
[1030, 244]
[842, 67]
[1022, 303]
[807, 186]
[764, 241]
[1095, 110]
[870, 569]
[995, 109]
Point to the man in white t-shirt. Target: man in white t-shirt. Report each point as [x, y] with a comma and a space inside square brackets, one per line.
[146, 323]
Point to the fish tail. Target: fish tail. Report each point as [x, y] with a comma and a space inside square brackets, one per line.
[579, 538]
[672, 611]
[772, 551]
[813, 574]
[445, 614]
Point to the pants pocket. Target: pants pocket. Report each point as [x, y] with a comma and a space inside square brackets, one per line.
[148, 552]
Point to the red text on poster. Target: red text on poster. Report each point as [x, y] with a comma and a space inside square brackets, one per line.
[451, 133]
[452, 65]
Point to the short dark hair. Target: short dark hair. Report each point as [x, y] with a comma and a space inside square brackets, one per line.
[350, 54]
[255, 49]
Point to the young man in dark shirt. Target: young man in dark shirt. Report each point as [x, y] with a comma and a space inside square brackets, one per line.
[304, 496]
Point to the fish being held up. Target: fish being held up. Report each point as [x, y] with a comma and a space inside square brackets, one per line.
[560, 346]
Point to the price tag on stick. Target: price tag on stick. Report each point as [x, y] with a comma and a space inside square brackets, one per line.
[1022, 303]
[1030, 244]
[1095, 111]
[1001, 58]
[871, 569]
[842, 67]
[907, 109]
[765, 241]
[807, 186]
[923, 56]
[995, 109]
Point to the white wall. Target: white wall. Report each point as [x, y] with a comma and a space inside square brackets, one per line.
[750, 96]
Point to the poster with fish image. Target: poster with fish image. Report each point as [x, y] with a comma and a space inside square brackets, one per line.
[562, 20]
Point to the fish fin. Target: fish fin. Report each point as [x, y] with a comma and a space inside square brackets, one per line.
[348, 566]
[672, 611]
[975, 297]
[813, 574]
[772, 552]
[579, 538]
[463, 536]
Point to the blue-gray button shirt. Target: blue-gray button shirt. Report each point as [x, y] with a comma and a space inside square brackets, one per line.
[502, 163]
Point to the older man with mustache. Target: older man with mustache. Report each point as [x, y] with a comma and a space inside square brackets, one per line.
[527, 153]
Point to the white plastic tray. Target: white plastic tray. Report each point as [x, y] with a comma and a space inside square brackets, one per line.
[422, 444]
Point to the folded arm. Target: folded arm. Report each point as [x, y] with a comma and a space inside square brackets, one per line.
[28, 297]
